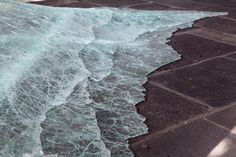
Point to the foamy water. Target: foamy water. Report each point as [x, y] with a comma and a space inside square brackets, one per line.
[70, 78]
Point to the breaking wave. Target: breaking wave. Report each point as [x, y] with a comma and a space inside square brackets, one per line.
[70, 78]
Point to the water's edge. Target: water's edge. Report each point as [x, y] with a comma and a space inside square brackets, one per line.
[70, 78]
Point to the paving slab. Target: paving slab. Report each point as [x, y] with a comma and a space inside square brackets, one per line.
[184, 4]
[162, 108]
[116, 3]
[217, 36]
[199, 139]
[81, 4]
[212, 82]
[194, 49]
[218, 24]
[225, 3]
[232, 56]
[151, 6]
[232, 14]
[225, 118]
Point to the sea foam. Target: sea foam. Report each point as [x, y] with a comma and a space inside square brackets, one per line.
[70, 78]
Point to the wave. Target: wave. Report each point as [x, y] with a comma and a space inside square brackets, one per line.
[70, 78]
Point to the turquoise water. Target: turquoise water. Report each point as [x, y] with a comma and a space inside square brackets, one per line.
[70, 78]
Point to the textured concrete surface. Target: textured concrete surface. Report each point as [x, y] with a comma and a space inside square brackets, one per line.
[212, 82]
[195, 49]
[198, 139]
[164, 108]
[218, 24]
